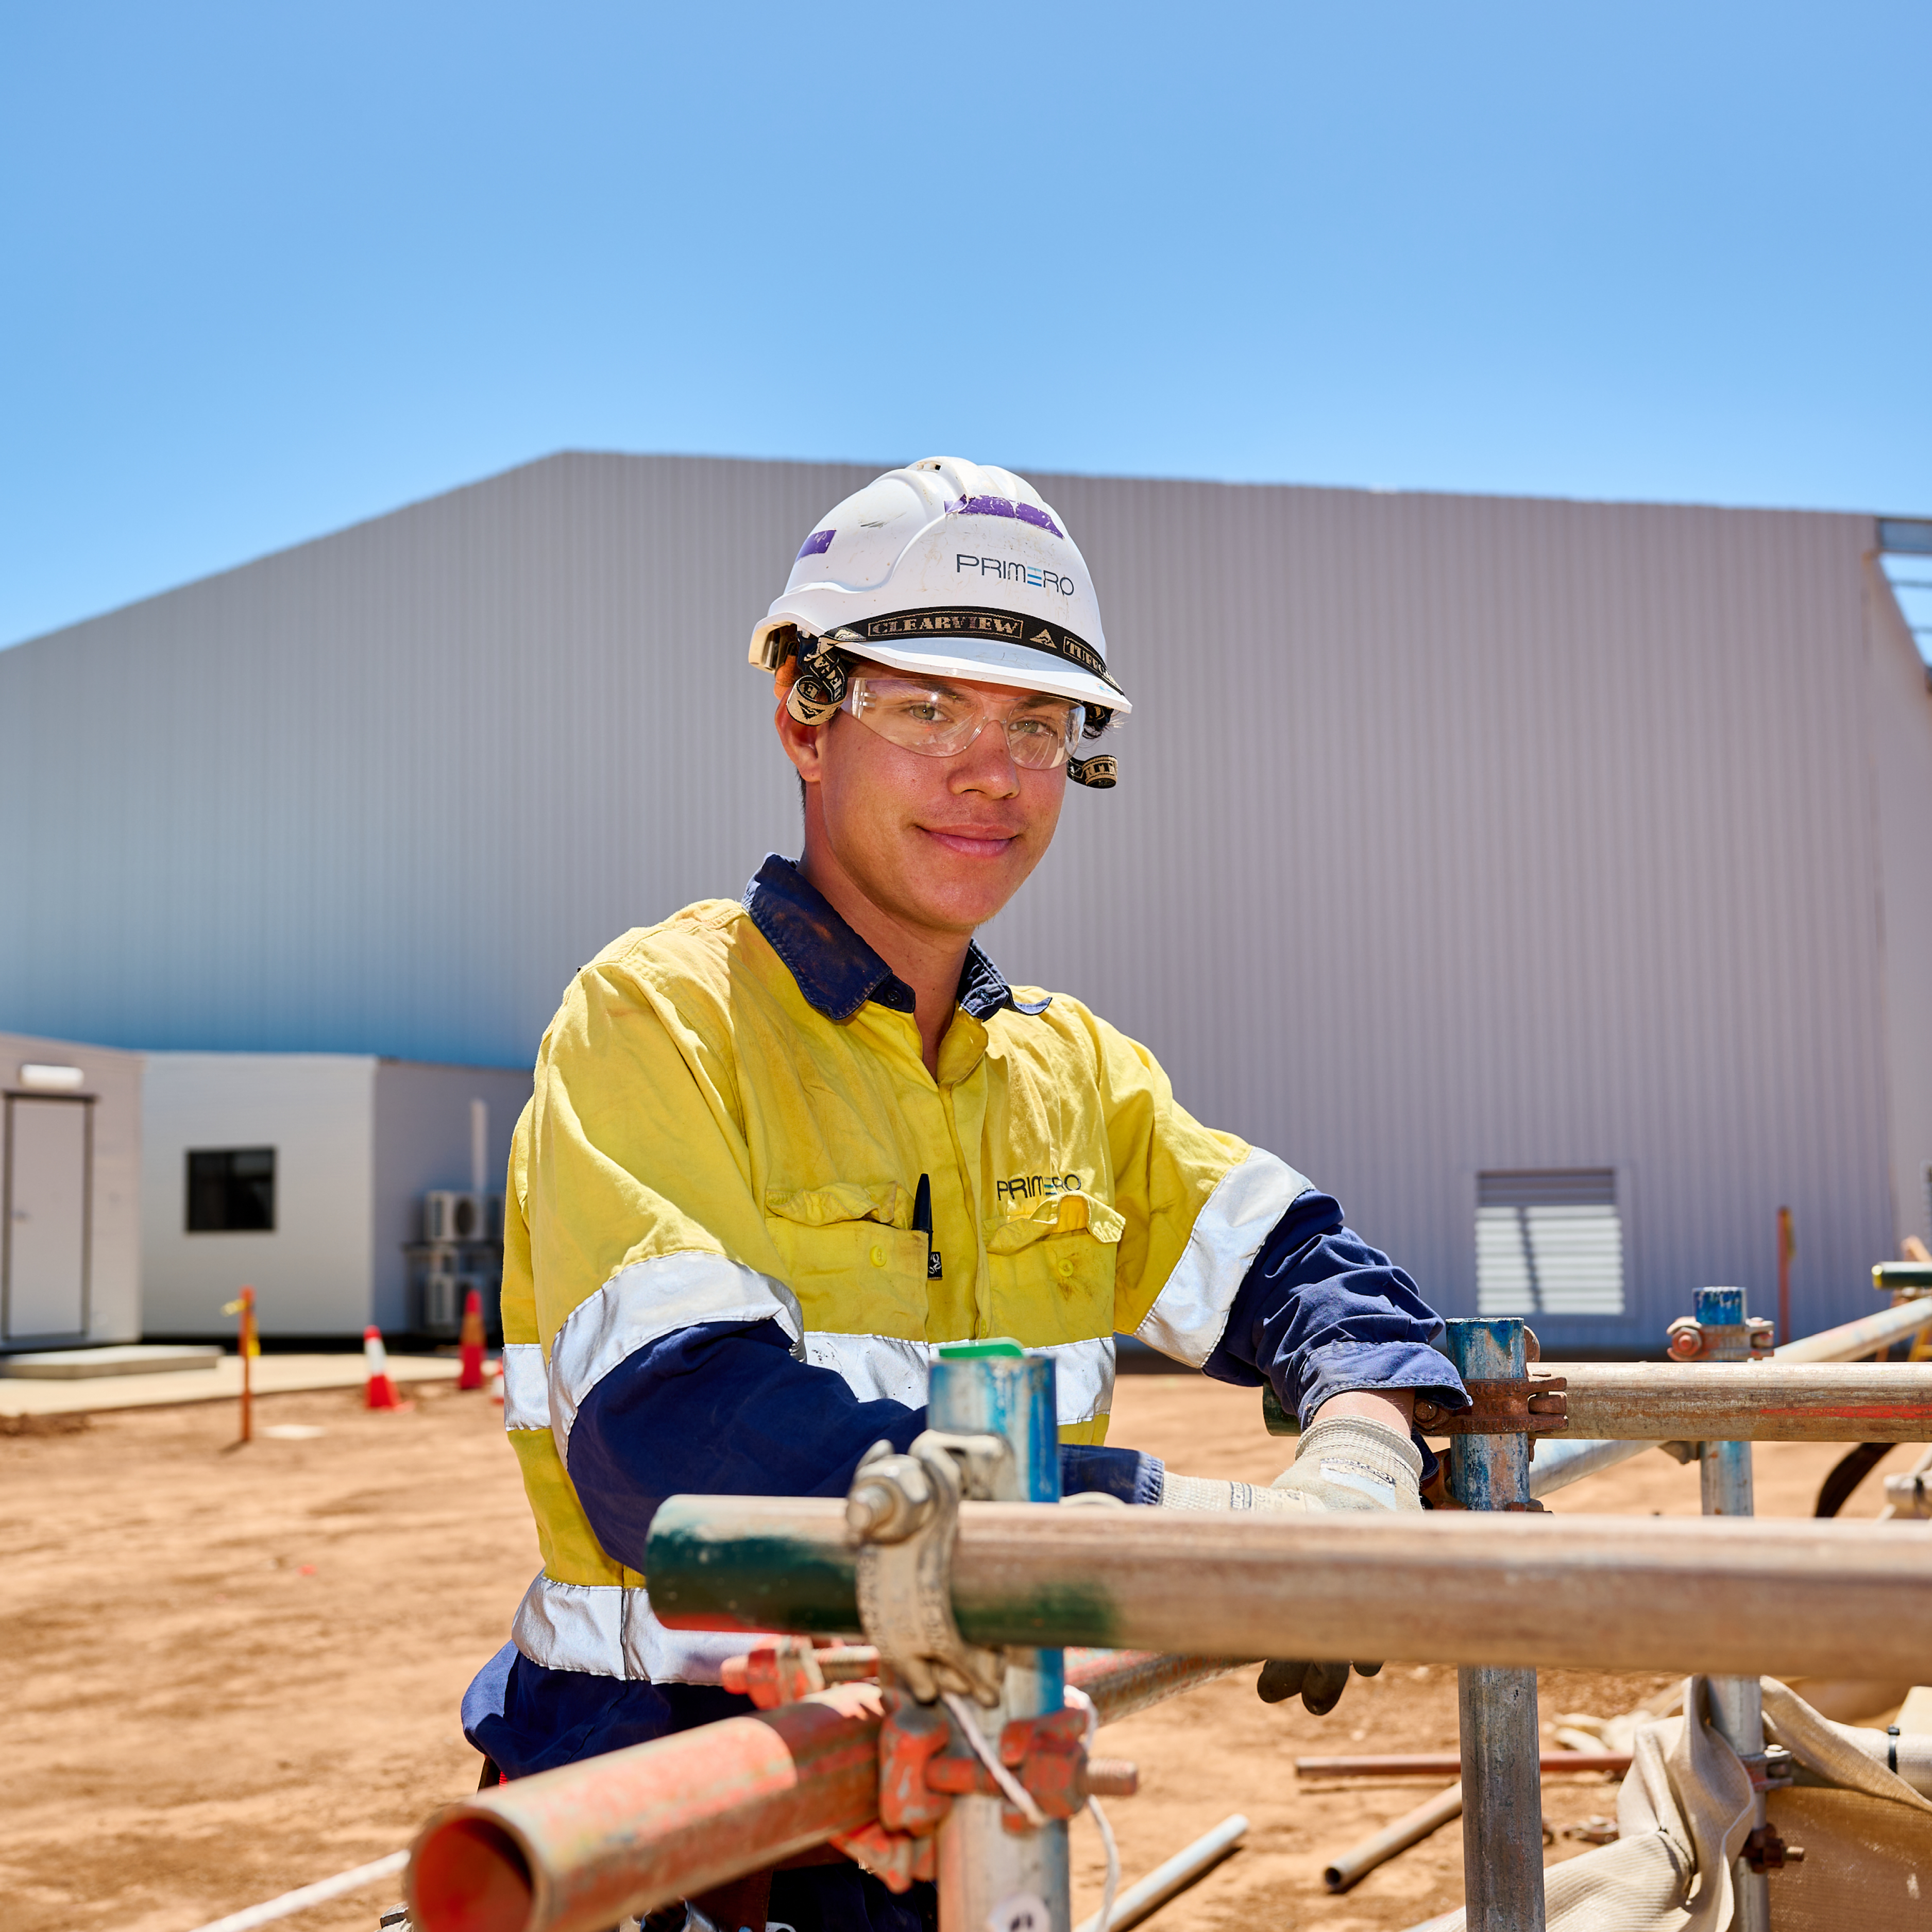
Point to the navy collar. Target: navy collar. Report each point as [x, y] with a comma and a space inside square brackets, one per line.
[836, 971]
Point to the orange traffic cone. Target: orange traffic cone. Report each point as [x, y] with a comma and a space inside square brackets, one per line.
[471, 1376]
[378, 1392]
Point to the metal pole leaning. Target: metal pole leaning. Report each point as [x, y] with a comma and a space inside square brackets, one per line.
[1502, 1789]
[988, 1876]
[1737, 1703]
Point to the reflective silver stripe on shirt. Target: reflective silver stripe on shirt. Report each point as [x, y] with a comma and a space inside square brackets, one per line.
[525, 1386]
[1083, 1378]
[645, 1300]
[876, 1367]
[1191, 1311]
[605, 1631]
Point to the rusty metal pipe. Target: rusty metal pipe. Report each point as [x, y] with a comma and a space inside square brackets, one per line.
[1772, 1401]
[578, 1849]
[1568, 1460]
[1123, 1681]
[507, 1860]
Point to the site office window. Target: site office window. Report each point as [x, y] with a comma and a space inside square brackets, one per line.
[231, 1190]
[1549, 1241]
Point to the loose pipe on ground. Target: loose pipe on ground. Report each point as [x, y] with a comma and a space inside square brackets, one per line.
[1605, 1593]
[1558, 1464]
[1143, 1900]
[1359, 1860]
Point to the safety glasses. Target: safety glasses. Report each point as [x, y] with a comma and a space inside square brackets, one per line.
[939, 721]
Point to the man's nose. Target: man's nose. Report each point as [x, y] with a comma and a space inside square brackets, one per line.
[987, 765]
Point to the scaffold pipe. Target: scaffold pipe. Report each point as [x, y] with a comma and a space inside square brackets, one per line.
[578, 1849]
[1605, 1593]
[647, 1826]
[1772, 1401]
[1123, 1681]
[1565, 1461]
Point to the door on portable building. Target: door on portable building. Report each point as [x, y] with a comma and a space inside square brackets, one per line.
[43, 1241]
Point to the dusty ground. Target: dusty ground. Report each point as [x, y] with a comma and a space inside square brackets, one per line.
[231, 1672]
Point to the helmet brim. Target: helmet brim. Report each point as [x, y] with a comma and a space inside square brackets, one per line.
[974, 661]
[989, 661]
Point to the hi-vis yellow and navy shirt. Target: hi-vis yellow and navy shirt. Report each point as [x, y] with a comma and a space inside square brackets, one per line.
[741, 1215]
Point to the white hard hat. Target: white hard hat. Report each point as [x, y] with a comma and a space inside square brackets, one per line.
[952, 568]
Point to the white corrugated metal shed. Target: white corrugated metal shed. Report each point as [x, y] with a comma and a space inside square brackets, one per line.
[1455, 834]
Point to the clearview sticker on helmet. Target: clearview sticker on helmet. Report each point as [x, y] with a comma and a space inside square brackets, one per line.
[817, 544]
[1034, 634]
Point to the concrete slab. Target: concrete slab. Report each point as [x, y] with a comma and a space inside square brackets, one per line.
[124, 1358]
[274, 1375]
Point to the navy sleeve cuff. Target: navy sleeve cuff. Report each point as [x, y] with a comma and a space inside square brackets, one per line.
[1091, 1469]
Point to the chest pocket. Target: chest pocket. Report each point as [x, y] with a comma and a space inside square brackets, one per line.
[1053, 1270]
[851, 1257]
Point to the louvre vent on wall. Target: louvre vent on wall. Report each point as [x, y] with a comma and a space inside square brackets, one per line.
[1549, 1241]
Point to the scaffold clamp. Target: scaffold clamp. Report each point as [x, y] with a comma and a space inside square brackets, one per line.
[905, 1510]
[1538, 1406]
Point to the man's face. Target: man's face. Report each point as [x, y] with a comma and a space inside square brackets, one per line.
[940, 844]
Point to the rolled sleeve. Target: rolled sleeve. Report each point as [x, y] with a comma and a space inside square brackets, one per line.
[1320, 1312]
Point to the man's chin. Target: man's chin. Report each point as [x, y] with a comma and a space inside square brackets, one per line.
[957, 904]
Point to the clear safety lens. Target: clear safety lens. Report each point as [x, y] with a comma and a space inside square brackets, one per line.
[938, 721]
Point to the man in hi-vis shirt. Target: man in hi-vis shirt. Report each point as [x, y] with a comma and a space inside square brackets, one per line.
[780, 1148]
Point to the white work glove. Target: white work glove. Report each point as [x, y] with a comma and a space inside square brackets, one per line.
[1347, 1463]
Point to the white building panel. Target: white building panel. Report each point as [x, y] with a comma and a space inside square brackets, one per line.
[354, 1143]
[311, 1271]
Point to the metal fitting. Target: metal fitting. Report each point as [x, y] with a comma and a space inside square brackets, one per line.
[1908, 1495]
[904, 1510]
[1687, 1339]
[1774, 1768]
[1764, 1851]
[891, 1495]
[1500, 1406]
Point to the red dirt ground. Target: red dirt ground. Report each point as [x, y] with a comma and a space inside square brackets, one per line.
[235, 1671]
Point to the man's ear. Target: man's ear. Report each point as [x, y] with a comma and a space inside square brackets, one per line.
[801, 741]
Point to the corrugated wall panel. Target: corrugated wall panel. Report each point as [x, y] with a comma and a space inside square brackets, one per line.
[1455, 833]
[1901, 695]
[1459, 834]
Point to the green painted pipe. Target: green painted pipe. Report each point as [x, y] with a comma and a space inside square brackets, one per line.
[1737, 1597]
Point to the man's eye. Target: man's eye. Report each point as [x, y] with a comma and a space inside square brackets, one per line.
[1039, 727]
[921, 711]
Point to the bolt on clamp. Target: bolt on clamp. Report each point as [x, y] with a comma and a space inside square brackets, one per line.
[1687, 1339]
[904, 1510]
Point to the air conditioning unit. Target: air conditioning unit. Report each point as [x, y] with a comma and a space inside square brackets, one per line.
[450, 1215]
[442, 1311]
[493, 1217]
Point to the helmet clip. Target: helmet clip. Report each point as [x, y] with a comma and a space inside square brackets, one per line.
[819, 688]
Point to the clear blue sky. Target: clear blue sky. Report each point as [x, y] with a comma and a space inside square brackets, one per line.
[268, 270]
